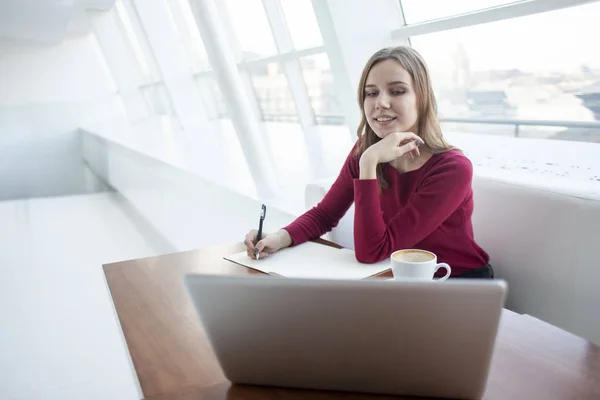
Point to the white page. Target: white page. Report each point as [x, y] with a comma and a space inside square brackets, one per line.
[312, 260]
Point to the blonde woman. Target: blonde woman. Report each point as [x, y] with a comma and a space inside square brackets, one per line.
[410, 188]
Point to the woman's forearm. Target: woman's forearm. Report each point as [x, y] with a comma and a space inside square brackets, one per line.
[368, 167]
[285, 238]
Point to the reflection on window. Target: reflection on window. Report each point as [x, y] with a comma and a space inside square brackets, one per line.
[425, 10]
[131, 25]
[212, 97]
[185, 24]
[252, 28]
[158, 99]
[302, 23]
[273, 93]
[521, 68]
[321, 89]
[490, 129]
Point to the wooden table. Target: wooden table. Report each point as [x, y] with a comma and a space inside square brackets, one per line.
[172, 359]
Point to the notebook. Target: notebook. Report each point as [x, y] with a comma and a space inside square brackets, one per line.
[311, 260]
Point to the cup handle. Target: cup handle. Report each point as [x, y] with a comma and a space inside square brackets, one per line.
[442, 265]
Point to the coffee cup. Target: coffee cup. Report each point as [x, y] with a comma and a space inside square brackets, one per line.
[417, 264]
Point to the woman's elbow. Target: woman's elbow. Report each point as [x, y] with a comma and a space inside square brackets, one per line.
[367, 257]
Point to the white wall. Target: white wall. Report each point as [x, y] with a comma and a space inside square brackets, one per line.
[70, 72]
[45, 95]
[186, 209]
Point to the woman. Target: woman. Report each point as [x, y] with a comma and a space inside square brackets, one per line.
[411, 189]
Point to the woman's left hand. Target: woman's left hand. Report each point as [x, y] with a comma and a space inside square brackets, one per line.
[393, 146]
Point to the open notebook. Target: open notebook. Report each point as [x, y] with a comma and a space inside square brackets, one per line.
[312, 260]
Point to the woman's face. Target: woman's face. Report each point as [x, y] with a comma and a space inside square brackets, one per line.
[390, 103]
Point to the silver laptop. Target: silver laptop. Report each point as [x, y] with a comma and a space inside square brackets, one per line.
[376, 336]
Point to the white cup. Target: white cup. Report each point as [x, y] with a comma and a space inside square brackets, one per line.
[416, 264]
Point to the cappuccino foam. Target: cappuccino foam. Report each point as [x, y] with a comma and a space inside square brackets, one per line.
[413, 256]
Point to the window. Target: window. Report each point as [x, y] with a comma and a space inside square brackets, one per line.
[214, 101]
[152, 89]
[302, 23]
[189, 36]
[133, 31]
[158, 99]
[321, 89]
[273, 93]
[252, 28]
[539, 67]
[416, 11]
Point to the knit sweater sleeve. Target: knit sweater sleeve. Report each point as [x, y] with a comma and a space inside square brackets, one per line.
[441, 192]
[327, 213]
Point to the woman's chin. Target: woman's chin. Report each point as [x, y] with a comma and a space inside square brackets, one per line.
[381, 133]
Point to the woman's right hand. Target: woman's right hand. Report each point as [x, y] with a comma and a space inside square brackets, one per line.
[269, 243]
[393, 146]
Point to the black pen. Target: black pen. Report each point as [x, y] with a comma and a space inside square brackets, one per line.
[263, 212]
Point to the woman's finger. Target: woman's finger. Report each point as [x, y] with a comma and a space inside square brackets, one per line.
[260, 245]
[407, 137]
[262, 255]
[251, 237]
[249, 244]
[407, 148]
[410, 139]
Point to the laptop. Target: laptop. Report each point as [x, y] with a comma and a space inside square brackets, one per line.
[372, 336]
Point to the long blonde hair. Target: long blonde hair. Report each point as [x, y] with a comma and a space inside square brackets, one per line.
[428, 125]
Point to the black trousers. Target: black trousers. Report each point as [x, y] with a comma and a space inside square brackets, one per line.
[485, 272]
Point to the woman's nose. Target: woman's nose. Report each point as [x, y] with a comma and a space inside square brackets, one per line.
[382, 102]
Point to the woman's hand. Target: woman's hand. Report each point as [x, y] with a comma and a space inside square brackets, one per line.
[391, 147]
[269, 243]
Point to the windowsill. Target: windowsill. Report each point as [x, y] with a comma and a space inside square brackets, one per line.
[162, 138]
[571, 168]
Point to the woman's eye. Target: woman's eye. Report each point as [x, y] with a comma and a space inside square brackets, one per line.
[398, 92]
[371, 94]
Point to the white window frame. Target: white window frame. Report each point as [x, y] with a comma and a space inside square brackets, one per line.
[484, 16]
[190, 38]
[487, 15]
[289, 59]
[516, 146]
[141, 47]
[287, 56]
[293, 73]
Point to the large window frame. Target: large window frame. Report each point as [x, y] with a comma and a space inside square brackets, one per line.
[151, 83]
[287, 57]
[485, 16]
[347, 49]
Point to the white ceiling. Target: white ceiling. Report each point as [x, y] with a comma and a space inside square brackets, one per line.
[29, 24]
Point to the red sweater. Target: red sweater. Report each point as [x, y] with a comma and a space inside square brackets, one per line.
[429, 208]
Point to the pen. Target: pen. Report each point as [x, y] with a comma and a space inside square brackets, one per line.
[263, 212]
